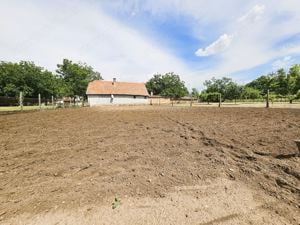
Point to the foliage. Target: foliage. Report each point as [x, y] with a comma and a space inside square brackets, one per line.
[298, 95]
[251, 93]
[168, 85]
[195, 93]
[281, 83]
[72, 79]
[209, 97]
[27, 77]
[76, 77]
[225, 86]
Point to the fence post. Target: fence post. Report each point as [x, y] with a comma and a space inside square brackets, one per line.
[52, 99]
[267, 103]
[220, 100]
[21, 100]
[40, 106]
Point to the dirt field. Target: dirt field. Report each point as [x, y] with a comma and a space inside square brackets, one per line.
[164, 165]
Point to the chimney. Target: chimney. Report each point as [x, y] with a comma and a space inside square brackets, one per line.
[114, 81]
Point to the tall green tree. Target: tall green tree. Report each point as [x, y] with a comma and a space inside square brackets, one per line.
[263, 83]
[225, 86]
[293, 78]
[251, 93]
[76, 77]
[168, 85]
[26, 77]
[279, 83]
[195, 93]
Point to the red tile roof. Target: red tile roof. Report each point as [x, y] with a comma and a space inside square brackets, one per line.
[100, 87]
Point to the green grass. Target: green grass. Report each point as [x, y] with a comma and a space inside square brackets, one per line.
[18, 108]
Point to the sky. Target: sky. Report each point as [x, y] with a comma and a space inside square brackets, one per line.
[134, 39]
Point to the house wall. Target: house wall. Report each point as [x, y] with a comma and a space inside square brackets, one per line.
[95, 100]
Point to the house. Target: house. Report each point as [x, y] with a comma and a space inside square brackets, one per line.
[101, 92]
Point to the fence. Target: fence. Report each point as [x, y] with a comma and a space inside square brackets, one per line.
[188, 101]
[39, 103]
[161, 100]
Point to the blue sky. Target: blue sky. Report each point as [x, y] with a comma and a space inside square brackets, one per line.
[132, 40]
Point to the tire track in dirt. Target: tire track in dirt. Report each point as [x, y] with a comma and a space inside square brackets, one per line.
[244, 158]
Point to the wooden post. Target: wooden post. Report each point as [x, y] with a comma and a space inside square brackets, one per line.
[151, 94]
[191, 103]
[52, 99]
[21, 100]
[220, 100]
[82, 104]
[172, 101]
[267, 103]
[40, 106]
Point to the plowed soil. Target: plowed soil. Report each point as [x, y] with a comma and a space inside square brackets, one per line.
[150, 165]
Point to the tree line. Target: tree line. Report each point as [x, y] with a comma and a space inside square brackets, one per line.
[280, 84]
[71, 79]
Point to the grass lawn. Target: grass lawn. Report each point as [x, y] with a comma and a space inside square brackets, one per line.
[18, 108]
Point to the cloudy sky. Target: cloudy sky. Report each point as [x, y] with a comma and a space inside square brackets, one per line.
[134, 39]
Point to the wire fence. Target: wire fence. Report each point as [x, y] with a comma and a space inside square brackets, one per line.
[189, 101]
[21, 103]
[41, 103]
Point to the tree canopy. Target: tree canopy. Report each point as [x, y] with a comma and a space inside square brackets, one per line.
[168, 85]
[280, 84]
[71, 79]
[225, 86]
[26, 77]
[76, 77]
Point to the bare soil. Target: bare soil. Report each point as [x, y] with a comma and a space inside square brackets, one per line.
[165, 165]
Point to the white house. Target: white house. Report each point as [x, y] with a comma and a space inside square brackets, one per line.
[101, 92]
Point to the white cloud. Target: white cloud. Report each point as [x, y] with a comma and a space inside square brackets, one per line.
[252, 30]
[47, 31]
[218, 46]
[256, 37]
[284, 63]
[80, 31]
[254, 14]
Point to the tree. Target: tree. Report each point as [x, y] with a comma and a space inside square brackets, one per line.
[195, 93]
[168, 85]
[232, 91]
[76, 77]
[251, 93]
[26, 77]
[279, 83]
[209, 97]
[293, 78]
[225, 86]
[263, 83]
